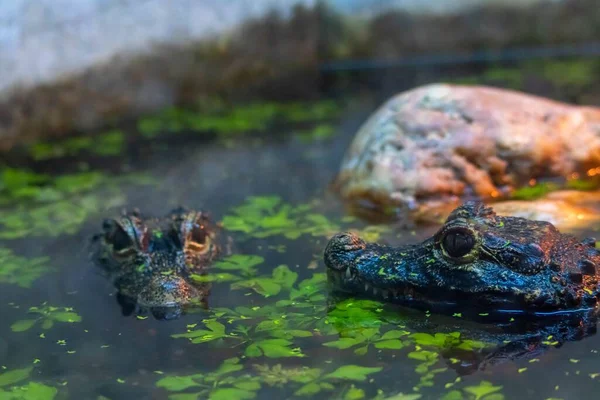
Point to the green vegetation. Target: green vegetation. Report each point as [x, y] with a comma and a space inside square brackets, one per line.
[209, 117]
[568, 76]
[21, 271]
[222, 384]
[109, 143]
[12, 387]
[389, 340]
[484, 391]
[227, 120]
[319, 132]
[46, 316]
[541, 189]
[229, 382]
[534, 192]
[267, 216]
[580, 184]
[510, 77]
[39, 205]
[575, 74]
[281, 278]
[295, 317]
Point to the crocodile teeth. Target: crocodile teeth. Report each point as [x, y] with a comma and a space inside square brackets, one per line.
[366, 287]
[348, 274]
[374, 291]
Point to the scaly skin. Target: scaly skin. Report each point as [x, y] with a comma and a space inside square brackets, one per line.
[477, 259]
[150, 260]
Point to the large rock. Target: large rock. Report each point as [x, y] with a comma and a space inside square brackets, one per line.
[442, 142]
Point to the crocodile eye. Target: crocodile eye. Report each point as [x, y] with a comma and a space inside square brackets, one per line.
[115, 234]
[458, 243]
[198, 234]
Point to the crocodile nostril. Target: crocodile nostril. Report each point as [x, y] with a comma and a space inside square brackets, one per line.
[587, 267]
[589, 241]
[339, 251]
[576, 277]
[347, 241]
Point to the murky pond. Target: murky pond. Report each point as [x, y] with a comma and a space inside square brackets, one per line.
[270, 328]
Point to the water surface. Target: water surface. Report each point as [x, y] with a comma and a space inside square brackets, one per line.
[271, 330]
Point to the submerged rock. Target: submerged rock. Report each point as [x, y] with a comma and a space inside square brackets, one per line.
[441, 142]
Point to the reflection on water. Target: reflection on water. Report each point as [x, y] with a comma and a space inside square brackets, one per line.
[270, 328]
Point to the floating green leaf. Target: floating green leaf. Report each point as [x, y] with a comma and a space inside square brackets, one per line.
[389, 340]
[402, 396]
[279, 376]
[263, 217]
[23, 325]
[179, 383]
[39, 205]
[273, 348]
[353, 372]
[482, 390]
[14, 376]
[312, 288]
[239, 262]
[354, 393]
[30, 391]
[282, 278]
[353, 314]
[215, 331]
[224, 383]
[21, 271]
[444, 341]
[46, 315]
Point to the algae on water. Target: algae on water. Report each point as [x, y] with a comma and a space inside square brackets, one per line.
[46, 316]
[227, 120]
[267, 216]
[34, 204]
[21, 271]
[13, 388]
[109, 143]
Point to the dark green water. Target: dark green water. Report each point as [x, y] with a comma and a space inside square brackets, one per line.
[271, 330]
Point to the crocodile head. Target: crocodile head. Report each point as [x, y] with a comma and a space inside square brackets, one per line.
[476, 259]
[150, 261]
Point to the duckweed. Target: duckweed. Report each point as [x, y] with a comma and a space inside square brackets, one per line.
[485, 390]
[267, 216]
[229, 382]
[109, 143]
[535, 191]
[566, 75]
[230, 120]
[389, 340]
[569, 74]
[225, 383]
[46, 316]
[22, 271]
[51, 206]
[299, 312]
[12, 387]
[281, 278]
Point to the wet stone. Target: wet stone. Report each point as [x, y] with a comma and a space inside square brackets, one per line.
[415, 150]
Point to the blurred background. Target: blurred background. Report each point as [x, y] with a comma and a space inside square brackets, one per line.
[68, 66]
